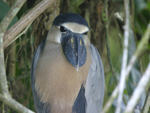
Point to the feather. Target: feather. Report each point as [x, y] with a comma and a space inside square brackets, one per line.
[95, 84]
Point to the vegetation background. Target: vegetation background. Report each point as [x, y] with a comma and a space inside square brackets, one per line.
[18, 55]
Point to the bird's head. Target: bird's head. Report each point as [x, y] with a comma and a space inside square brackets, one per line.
[72, 29]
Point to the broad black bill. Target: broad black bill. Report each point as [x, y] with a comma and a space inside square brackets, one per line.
[74, 49]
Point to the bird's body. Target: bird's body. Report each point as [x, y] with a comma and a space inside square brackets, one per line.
[65, 81]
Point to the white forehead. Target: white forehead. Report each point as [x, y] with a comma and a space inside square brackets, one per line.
[75, 27]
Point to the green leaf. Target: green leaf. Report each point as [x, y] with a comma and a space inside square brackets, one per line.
[4, 8]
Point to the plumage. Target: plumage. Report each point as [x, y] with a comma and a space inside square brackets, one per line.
[60, 86]
[70, 18]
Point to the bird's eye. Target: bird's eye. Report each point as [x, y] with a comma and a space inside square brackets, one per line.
[85, 33]
[63, 29]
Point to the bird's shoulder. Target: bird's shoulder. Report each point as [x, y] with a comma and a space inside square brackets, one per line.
[95, 84]
[37, 55]
[39, 105]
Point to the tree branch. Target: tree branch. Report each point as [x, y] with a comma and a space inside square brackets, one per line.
[3, 26]
[9, 36]
[5, 96]
[125, 57]
[138, 91]
[140, 48]
[11, 33]
[14, 104]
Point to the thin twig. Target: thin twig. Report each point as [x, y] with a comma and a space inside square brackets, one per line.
[3, 26]
[143, 43]
[14, 104]
[11, 33]
[19, 77]
[138, 91]
[23, 32]
[125, 57]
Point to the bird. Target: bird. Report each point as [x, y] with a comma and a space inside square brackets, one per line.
[67, 74]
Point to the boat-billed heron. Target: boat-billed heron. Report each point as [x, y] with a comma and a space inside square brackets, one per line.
[67, 73]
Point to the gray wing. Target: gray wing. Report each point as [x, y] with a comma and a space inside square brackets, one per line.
[38, 105]
[95, 84]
